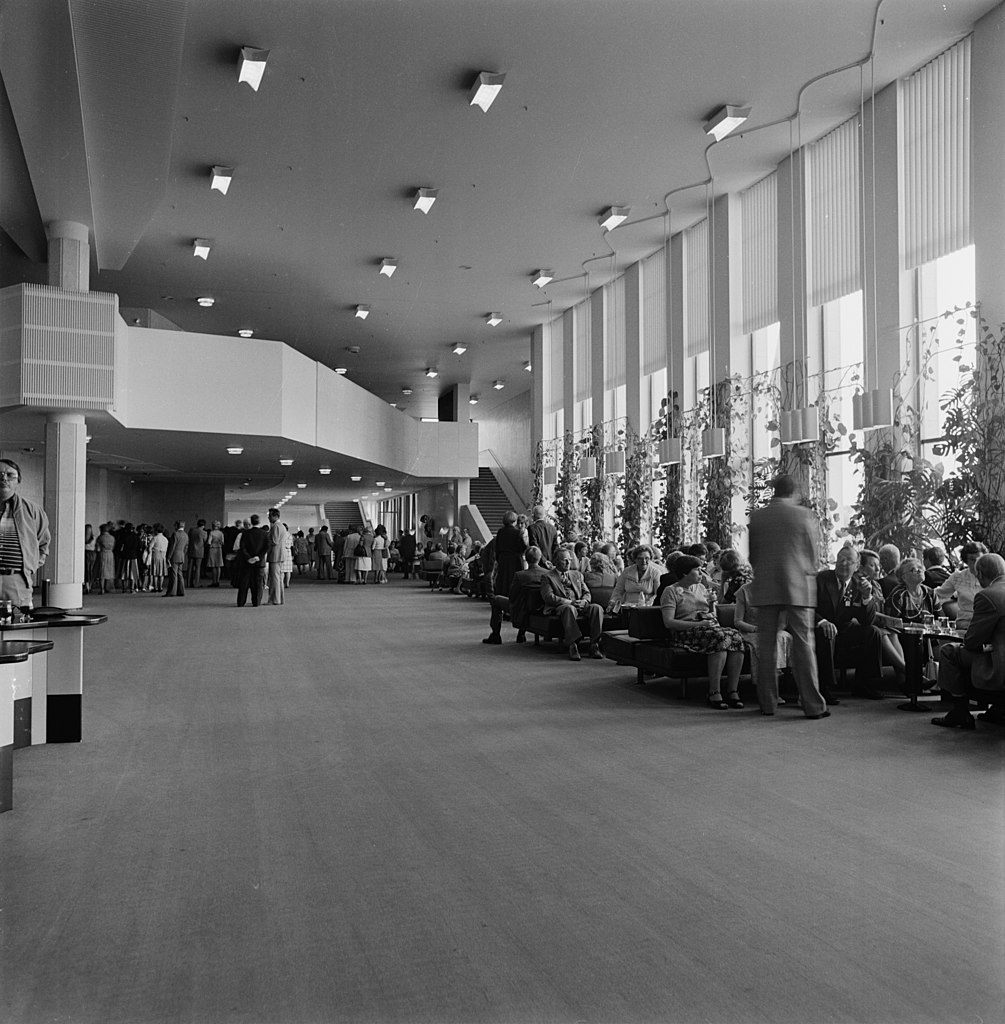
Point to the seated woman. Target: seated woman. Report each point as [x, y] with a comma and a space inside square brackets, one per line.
[745, 622]
[454, 569]
[475, 570]
[601, 572]
[693, 627]
[911, 600]
[734, 573]
[963, 584]
[636, 586]
[581, 557]
[611, 550]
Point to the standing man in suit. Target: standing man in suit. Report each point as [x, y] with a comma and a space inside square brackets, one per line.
[277, 544]
[566, 595]
[254, 550]
[544, 535]
[323, 548]
[980, 659]
[516, 604]
[846, 626]
[177, 550]
[509, 549]
[196, 553]
[406, 553]
[783, 554]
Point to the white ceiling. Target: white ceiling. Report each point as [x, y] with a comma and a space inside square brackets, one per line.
[365, 100]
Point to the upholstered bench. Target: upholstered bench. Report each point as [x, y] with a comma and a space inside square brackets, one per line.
[549, 627]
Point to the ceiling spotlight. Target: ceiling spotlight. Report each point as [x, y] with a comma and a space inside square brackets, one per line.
[222, 177]
[472, 400]
[301, 486]
[201, 247]
[388, 266]
[378, 483]
[498, 384]
[613, 216]
[459, 349]
[424, 199]
[431, 371]
[251, 66]
[205, 301]
[245, 332]
[375, 493]
[355, 479]
[406, 391]
[362, 312]
[494, 319]
[485, 90]
[387, 489]
[285, 462]
[343, 370]
[725, 120]
[325, 470]
[393, 405]
[234, 451]
[528, 366]
[541, 277]
[428, 419]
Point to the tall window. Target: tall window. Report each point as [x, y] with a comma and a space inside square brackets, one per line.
[654, 335]
[696, 326]
[583, 411]
[615, 399]
[554, 409]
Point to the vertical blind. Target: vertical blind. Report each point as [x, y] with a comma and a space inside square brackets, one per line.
[759, 214]
[584, 377]
[614, 340]
[553, 357]
[654, 312]
[696, 289]
[833, 212]
[934, 119]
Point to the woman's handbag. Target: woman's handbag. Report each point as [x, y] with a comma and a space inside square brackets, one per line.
[359, 551]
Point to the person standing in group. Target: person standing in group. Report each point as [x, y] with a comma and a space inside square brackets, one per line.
[349, 544]
[158, 557]
[406, 552]
[379, 553]
[196, 553]
[783, 554]
[254, 543]
[105, 546]
[177, 550]
[129, 547]
[90, 556]
[230, 535]
[509, 548]
[323, 553]
[275, 554]
[24, 539]
[542, 534]
[287, 556]
[214, 553]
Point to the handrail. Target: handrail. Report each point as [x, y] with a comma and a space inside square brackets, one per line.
[512, 494]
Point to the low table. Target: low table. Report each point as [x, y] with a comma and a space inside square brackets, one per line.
[15, 690]
[912, 639]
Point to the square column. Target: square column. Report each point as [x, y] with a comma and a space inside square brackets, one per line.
[633, 349]
[65, 495]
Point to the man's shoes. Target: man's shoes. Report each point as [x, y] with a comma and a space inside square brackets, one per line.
[492, 638]
[521, 637]
[813, 718]
[994, 716]
[595, 652]
[956, 719]
[574, 653]
[829, 697]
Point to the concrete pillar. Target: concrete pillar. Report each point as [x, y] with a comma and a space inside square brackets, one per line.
[633, 348]
[675, 317]
[69, 255]
[791, 290]
[65, 495]
[569, 369]
[598, 333]
[726, 261]
[536, 390]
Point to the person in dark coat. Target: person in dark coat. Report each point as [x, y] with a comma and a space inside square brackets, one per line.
[544, 535]
[254, 549]
[406, 553]
[517, 604]
[509, 549]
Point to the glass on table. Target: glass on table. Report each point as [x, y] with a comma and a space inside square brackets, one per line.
[943, 623]
[928, 620]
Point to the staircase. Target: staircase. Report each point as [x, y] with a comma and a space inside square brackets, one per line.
[490, 498]
[343, 514]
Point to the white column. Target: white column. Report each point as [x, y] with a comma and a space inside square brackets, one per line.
[598, 331]
[791, 293]
[633, 348]
[536, 390]
[726, 257]
[69, 255]
[675, 317]
[65, 492]
[569, 369]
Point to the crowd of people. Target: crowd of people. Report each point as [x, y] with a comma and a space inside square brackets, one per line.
[791, 620]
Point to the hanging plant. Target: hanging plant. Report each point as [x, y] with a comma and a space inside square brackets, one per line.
[537, 479]
[566, 505]
[633, 513]
[715, 503]
[592, 490]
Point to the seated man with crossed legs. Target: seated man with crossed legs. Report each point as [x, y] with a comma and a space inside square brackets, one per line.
[567, 596]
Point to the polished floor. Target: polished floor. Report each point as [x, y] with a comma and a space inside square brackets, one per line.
[347, 809]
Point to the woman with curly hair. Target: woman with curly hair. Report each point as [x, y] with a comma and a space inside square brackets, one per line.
[735, 572]
[693, 627]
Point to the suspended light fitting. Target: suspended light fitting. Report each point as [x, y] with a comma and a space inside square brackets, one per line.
[362, 312]
[221, 179]
[498, 384]
[459, 349]
[388, 266]
[725, 120]
[251, 66]
[286, 462]
[355, 479]
[486, 88]
[613, 216]
[528, 366]
[494, 319]
[325, 470]
[431, 371]
[541, 277]
[201, 247]
[245, 332]
[205, 301]
[234, 450]
[472, 400]
[424, 199]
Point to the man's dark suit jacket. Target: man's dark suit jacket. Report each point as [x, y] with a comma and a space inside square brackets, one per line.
[254, 542]
[545, 536]
[525, 583]
[509, 549]
[829, 605]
